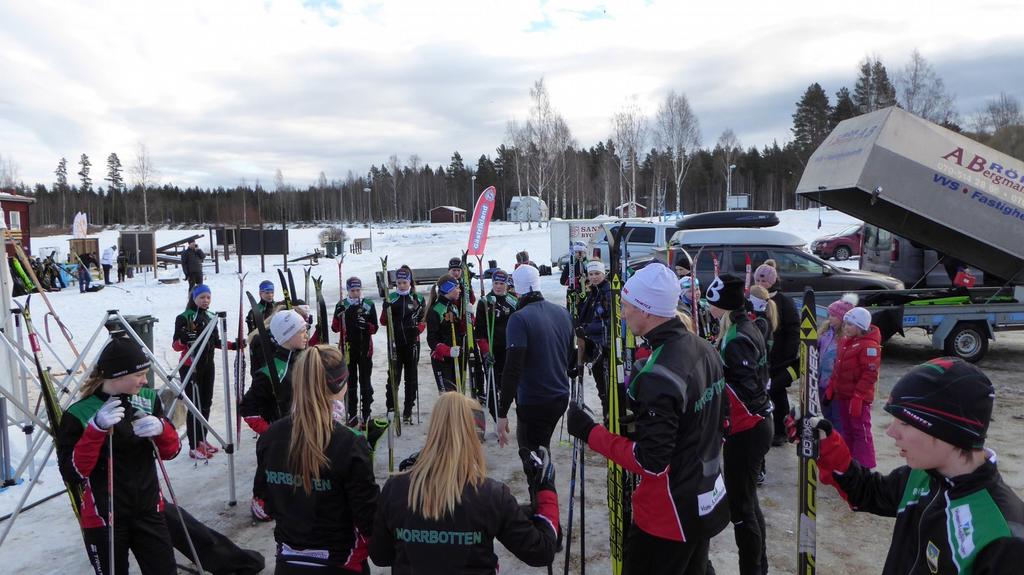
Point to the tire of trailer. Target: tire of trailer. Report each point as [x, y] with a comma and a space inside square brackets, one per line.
[968, 341]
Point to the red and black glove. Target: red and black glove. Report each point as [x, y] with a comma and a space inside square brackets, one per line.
[481, 344]
[441, 352]
[257, 423]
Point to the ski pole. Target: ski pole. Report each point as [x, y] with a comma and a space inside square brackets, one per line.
[174, 500]
[110, 498]
[455, 363]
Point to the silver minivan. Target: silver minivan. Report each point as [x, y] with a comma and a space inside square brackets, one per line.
[886, 253]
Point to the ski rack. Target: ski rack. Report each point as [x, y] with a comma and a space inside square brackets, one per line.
[72, 381]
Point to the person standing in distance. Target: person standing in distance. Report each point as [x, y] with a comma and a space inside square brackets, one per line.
[677, 395]
[954, 514]
[539, 348]
[356, 317]
[495, 308]
[192, 265]
[107, 261]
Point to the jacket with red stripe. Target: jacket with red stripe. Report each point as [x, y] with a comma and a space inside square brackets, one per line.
[333, 523]
[82, 456]
[855, 372]
[463, 541]
[746, 372]
[678, 397]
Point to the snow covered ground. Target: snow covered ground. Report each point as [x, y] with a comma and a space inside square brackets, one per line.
[47, 533]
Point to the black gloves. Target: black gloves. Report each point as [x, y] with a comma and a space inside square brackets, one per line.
[408, 462]
[540, 473]
[579, 423]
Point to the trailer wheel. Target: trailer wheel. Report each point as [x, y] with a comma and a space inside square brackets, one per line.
[968, 341]
[842, 253]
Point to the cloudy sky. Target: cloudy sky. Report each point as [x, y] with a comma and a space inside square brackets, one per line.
[227, 89]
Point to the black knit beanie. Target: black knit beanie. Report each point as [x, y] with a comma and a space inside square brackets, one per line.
[946, 398]
[121, 356]
[726, 292]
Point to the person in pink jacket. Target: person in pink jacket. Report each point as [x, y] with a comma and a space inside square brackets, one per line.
[852, 384]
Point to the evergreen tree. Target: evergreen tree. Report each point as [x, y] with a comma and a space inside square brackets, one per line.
[863, 90]
[885, 91]
[812, 120]
[61, 187]
[844, 108]
[114, 173]
[84, 174]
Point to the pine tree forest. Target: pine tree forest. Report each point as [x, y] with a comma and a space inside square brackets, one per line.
[656, 158]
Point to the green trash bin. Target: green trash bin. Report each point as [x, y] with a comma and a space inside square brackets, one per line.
[332, 248]
[143, 326]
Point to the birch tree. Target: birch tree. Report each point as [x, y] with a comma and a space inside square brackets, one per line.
[629, 129]
[678, 131]
[144, 175]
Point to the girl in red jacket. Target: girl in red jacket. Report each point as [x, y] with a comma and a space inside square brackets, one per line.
[852, 385]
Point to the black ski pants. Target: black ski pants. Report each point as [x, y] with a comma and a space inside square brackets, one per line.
[535, 424]
[217, 553]
[144, 533]
[106, 274]
[780, 399]
[742, 456]
[407, 356]
[444, 374]
[359, 369]
[200, 393]
[646, 554]
[599, 369]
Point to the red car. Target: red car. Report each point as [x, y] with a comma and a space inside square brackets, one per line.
[840, 245]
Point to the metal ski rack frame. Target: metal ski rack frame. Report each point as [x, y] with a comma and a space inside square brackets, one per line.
[72, 380]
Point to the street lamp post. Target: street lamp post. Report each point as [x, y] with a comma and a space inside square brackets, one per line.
[728, 185]
[472, 192]
[369, 215]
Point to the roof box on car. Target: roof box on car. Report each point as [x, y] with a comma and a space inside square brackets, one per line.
[728, 219]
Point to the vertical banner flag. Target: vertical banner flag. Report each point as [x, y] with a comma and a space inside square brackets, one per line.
[481, 222]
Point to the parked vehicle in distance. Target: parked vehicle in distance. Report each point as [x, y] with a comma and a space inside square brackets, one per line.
[840, 245]
[886, 253]
[644, 239]
[797, 268]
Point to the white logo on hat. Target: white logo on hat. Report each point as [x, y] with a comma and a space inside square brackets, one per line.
[714, 290]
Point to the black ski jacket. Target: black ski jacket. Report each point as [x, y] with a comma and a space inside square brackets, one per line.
[580, 276]
[463, 543]
[678, 396]
[192, 261]
[258, 406]
[745, 359]
[407, 312]
[359, 322]
[502, 307]
[250, 318]
[82, 455]
[187, 327]
[973, 523]
[784, 358]
[440, 320]
[336, 518]
[595, 314]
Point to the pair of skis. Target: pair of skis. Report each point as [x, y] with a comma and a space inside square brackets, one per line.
[392, 380]
[808, 440]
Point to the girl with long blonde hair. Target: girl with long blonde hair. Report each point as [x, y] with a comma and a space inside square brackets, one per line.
[443, 514]
[317, 474]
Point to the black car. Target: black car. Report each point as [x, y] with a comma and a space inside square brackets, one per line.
[796, 268]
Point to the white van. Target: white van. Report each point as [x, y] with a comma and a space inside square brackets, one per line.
[644, 239]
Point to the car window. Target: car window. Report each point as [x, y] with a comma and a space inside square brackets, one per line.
[639, 235]
[669, 230]
[796, 262]
[883, 239]
[850, 230]
[869, 237]
[705, 262]
[739, 260]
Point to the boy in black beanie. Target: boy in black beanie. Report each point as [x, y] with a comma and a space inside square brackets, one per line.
[953, 512]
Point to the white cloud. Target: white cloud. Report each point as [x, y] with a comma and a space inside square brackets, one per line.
[230, 89]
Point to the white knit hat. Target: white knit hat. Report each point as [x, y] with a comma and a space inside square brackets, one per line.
[859, 317]
[654, 289]
[285, 324]
[526, 279]
[595, 266]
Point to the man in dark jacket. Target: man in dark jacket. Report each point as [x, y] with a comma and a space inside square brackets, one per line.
[192, 265]
[744, 358]
[677, 395]
[492, 314]
[538, 351]
[953, 512]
